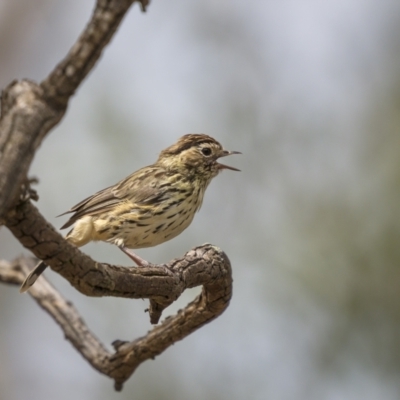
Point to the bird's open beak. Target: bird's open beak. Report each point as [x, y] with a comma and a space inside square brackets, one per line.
[225, 153]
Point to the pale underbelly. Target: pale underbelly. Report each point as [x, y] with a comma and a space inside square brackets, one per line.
[135, 233]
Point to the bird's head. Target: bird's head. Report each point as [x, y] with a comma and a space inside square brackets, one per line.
[198, 154]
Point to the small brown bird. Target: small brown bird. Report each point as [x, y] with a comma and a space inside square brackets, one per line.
[150, 206]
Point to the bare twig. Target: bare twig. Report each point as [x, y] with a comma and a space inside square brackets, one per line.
[63, 312]
[62, 82]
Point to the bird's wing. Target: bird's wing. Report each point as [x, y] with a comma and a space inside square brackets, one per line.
[97, 203]
[146, 186]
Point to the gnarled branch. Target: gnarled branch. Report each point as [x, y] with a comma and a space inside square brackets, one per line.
[162, 284]
[204, 265]
[28, 112]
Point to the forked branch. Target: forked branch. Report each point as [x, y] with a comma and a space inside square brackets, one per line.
[204, 265]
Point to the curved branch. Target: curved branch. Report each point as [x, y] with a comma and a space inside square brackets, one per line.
[163, 284]
[205, 265]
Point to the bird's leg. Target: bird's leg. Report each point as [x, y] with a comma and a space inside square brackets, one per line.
[138, 260]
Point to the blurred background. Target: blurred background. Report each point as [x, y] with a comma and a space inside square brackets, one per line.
[310, 93]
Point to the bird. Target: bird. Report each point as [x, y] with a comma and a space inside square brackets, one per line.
[150, 206]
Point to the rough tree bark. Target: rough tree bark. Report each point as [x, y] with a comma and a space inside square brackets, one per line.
[28, 112]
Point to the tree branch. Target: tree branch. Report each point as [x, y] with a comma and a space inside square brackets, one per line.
[29, 110]
[62, 311]
[204, 265]
[62, 82]
[163, 284]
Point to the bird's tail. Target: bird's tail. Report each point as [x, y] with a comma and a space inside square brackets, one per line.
[33, 275]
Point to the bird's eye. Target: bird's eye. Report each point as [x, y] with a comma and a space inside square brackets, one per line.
[206, 151]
